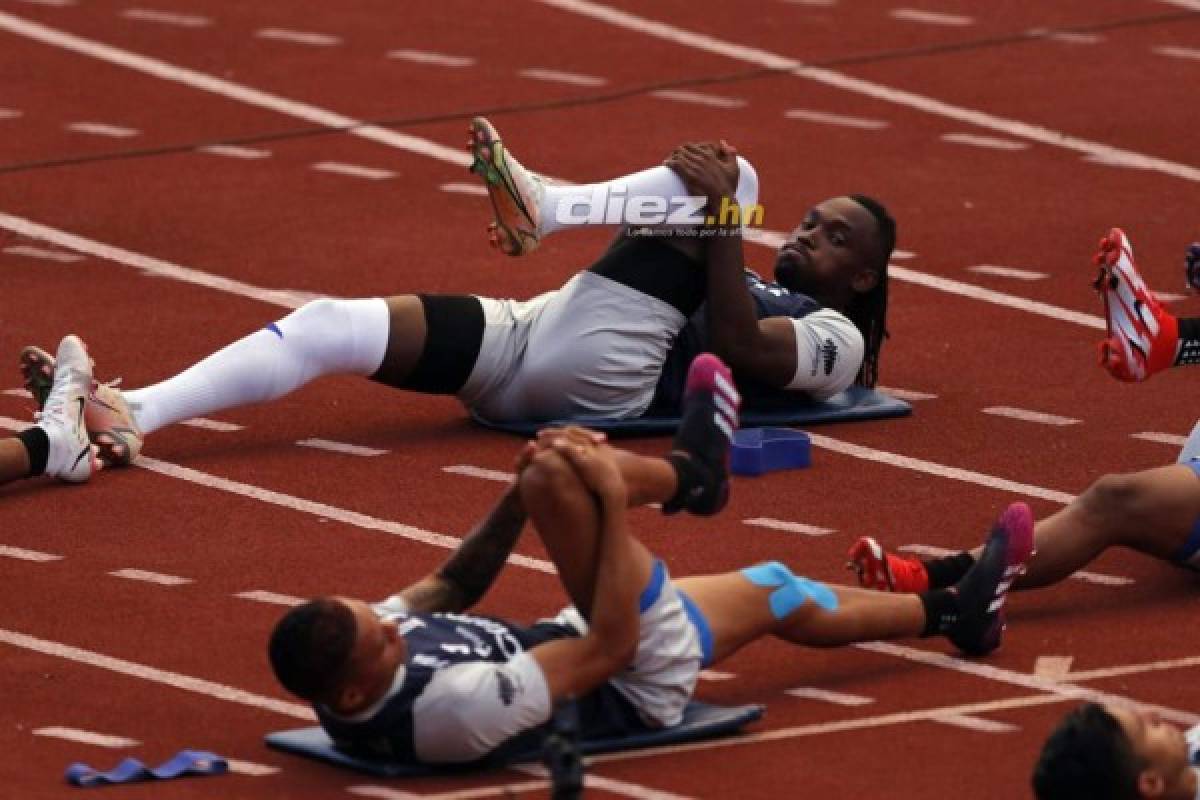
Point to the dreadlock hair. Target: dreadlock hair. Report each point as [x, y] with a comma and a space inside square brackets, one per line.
[868, 310]
[1087, 757]
[311, 645]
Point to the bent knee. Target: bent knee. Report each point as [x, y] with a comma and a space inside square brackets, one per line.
[548, 476]
[1119, 499]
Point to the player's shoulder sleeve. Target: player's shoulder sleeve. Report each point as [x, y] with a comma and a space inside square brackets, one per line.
[829, 353]
[469, 709]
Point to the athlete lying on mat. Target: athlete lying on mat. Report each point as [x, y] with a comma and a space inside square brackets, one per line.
[1115, 753]
[58, 443]
[613, 342]
[417, 678]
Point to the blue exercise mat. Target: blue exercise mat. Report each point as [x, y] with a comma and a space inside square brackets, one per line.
[700, 721]
[130, 770]
[854, 404]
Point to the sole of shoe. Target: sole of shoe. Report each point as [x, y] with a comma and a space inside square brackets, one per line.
[512, 232]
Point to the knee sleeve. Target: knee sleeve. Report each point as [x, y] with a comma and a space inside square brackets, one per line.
[791, 591]
[335, 336]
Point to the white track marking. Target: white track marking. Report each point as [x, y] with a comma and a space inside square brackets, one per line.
[1190, 5]
[240, 767]
[929, 105]
[21, 554]
[212, 425]
[813, 3]
[230, 90]
[299, 37]
[988, 142]
[840, 120]
[103, 129]
[931, 17]
[612, 785]
[270, 598]
[906, 394]
[154, 675]
[499, 790]
[52, 3]
[354, 170]
[9, 113]
[1069, 37]
[790, 527]
[480, 472]
[43, 254]
[976, 723]
[558, 76]
[426, 57]
[903, 255]
[826, 696]
[1025, 415]
[150, 577]
[234, 151]
[1179, 52]
[17, 393]
[1056, 668]
[1161, 438]
[1134, 669]
[456, 187]
[86, 737]
[167, 18]
[716, 675]
[1008, 272]
[1082, 575]
[699, 98]
[940, 470]
[341, 447]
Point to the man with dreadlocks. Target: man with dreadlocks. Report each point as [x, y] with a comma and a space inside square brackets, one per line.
[613, 343]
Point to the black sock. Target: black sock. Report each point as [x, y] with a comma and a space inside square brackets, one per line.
[948, 570]
[698, 456]
[941, 610]
[37, 444]
[1189, 342]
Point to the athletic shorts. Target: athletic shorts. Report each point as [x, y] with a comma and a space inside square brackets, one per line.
[594, 348]
[1189, 554]
[674, 644]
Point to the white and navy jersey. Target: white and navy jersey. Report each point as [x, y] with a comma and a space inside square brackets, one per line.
[829, 350]
[1193, 740]
[468, 689]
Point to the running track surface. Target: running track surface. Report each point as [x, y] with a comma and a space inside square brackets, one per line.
[1004, 134]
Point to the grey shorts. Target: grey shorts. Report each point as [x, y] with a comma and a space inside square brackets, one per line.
[594, 348]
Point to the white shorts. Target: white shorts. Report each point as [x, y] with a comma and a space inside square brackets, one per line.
[594, 348]
[660, 681]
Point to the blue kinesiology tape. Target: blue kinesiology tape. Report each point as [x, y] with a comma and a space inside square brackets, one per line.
[790, 591]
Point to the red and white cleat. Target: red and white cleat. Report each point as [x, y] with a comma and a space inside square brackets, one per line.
[1143, 337]
[883, 571]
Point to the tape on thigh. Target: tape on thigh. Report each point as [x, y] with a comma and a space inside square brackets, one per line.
[790, 590]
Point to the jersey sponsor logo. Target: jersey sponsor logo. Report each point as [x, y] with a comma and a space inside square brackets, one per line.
[829, 354]
[508, 686]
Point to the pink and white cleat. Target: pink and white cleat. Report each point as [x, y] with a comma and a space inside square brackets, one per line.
[1143, 337]
[516, 192]
[700, 452]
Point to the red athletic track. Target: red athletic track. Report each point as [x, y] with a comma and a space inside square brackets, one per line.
[277, 224]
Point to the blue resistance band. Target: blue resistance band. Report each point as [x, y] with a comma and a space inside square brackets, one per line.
[130, 770]
[790, 590]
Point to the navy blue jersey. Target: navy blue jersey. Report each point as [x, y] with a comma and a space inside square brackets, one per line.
[770, 300]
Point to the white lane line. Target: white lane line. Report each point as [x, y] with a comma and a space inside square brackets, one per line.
[427, 57]
[1134, 669]
[1087, 577]
[601, 783]
[841, 120]
[558, 76]
[1001, 675]
[716, 675]
[51, 3]
[1068, 37]
[790, 527]
[240, 767]
[9, 113]
[1056, 668]
[906, 394]
[456, 187]
[21, 554]
[1189, 53]
[86, 737]
[17, 393]
[940, 470]
[270, 598]
[341, 447]
[1190, 5]
[43, 254]
[1025, 415]
[103, 129]
[298, 37]
[480, 472]
[903, 255]
[1161, 438]
[1007, 272]
[478, 793]
[150, 577]
[928, 105]
[212, 425]
[234, 151]
[155, 675]
[976, 723]
[699, 98]
[813, 3]
[931, 17]
[988, 142]
[354, 170]
[826, 696]
[167, 18]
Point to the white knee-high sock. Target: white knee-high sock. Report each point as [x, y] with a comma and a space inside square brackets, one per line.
[320, 338]
[572, 205]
